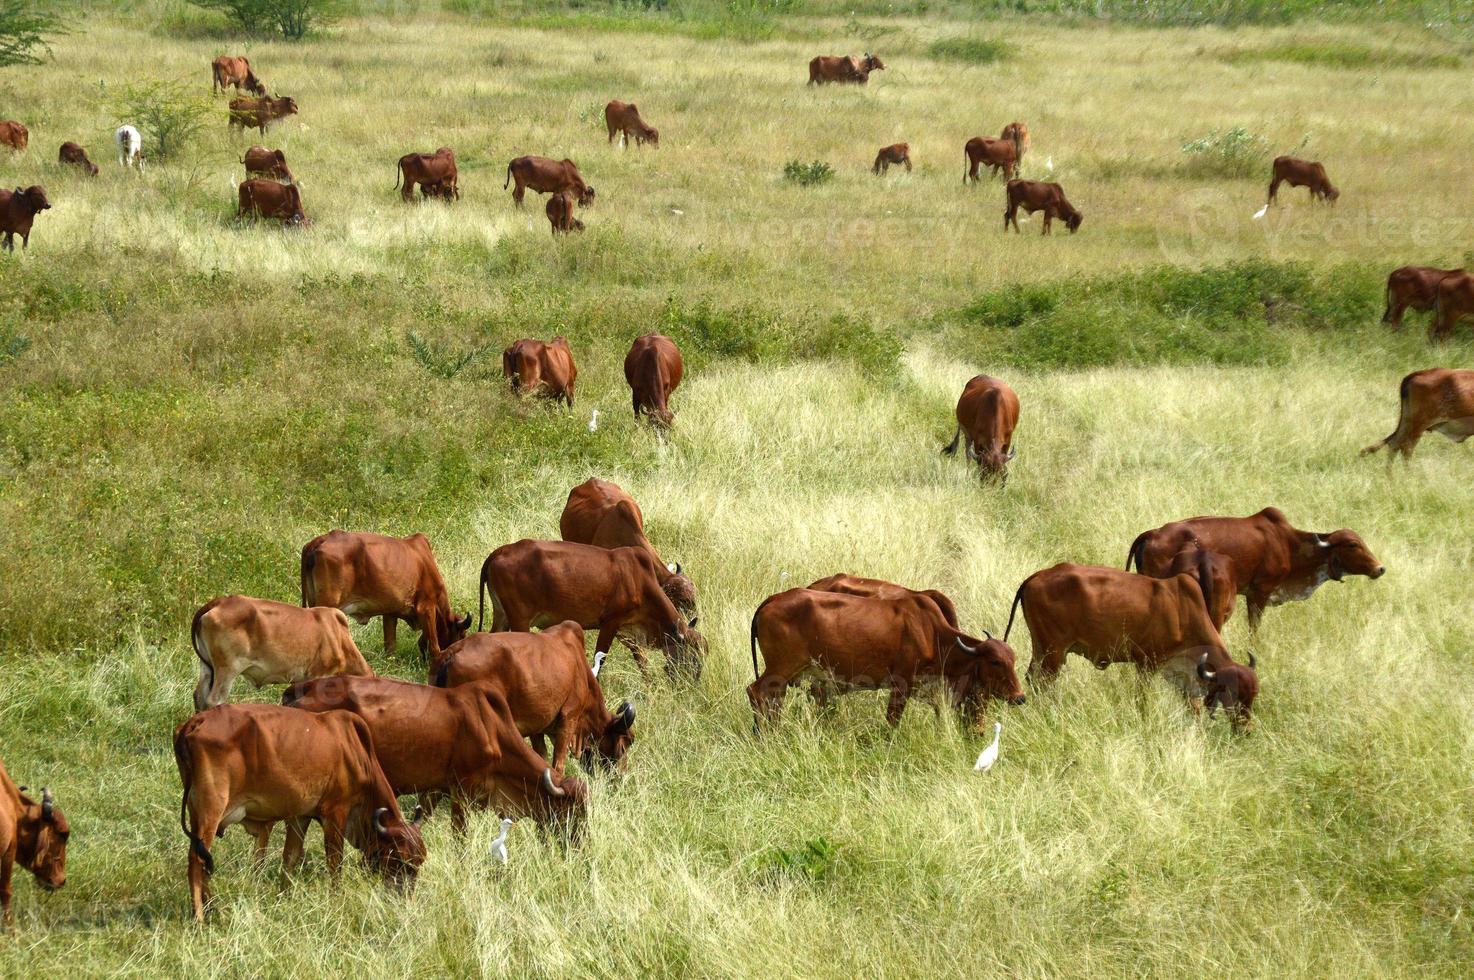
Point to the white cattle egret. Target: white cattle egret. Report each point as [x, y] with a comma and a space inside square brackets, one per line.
[594, 421]
[1049, 164]
[990, 754]
[599, 656]
[1261, 212]
[499, 846]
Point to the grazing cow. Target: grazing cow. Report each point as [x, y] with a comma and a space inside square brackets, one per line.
[1438, 399]
[368, 575]
[269, 643]
[267, 163]
[437, 168]
[228, 71]
[843, 69]
[600, 513]
[560, 213]
[73, 154]
[996, 154]
[546, 681]
[1412, 287]
[1018, 134]
[987, 413]
[33, 834]
[1273, 562]
[851, 642]
[547, 177]
[1158, 624]
[18, 210]
[14, 135]
[614, 590]
[259, 113]
[258, 198]
[256, 764]
[1302, 173]
[1036, 195]
[653, 369]
[130, 147]
[623, 118]
[539, 367]
[1455, 301]
[896, 153]
[440, 190]
[460, 741]
[881, 589]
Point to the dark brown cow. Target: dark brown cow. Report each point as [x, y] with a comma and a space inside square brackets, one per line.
[653, 369]
[368, 575]
[438, 168]
[1158, 624]
[228, 71]
[996, 154]
[269, 643]
[256, 764]
[1438, 399]
[33, 834]
[547, 177]
[73, 155]
[896, 153]
[14, 135]
[987, 413]
[546, 680]
[623, 118]
[260, 113]
[258, 198]
[843, 69]
[852, 642]
[538, 367]
[560, 213]
[881, 589]
[1272, 561]
[1455, 301]
[1036, 195]
[600, 513]
[1302, 173]
[1018, 134]
[617, 591]
[460, 741]
[1412, 287]
[267, 163]
[18, 210]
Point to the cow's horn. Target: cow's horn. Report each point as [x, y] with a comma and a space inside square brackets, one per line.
[1321, 542]
[1253, 663]
[1203, 670]
[551, 788]
[46, 802]
[624, 718]
[678, 568]
[970, 651]
[987, 634]
[466, 622]
[379, 821]
[1012, 453]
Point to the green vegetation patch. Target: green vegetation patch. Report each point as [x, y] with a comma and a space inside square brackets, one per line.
[1342, 55]
[976, 50]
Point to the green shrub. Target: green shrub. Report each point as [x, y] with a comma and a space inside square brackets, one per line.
[292, 19]
[808, 174]
[1233, 152]
[169, 115]
[977, 50]
[24, 29]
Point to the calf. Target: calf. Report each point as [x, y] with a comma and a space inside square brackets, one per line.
[1302, 173]
[896, 153]
[1438, 399]
[130, 147]
[538, 367]
[73, 155]
[259, 113]
[33, 834]
[18, 210]
[269, 643]
[257, 198]
[560, 213]
[653, 370]
[1454, 302]
[879, 588]
[987, 413]
[14, 135]
[1412, 287]
[996, 154]
[438, 168]
[600, 513]
[267, 163]
[226, 70]
[623, 119]
[843, 69]
[547, 177]
[1034, 195]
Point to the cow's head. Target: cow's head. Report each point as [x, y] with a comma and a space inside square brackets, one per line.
[680, 590]
[1344, 553]
[41, 840]
[1332, 192]
[1073, 220]
[35, 198]
[684, 648]
[449, 629]
[1233, 688]
[984, 669]
[285, 105]
[253, 84]
[585, 195]
[872, 63]
[395, 848]
[651, 135]
[565, 800]
[614, 741]
[993, 462]
[281, 166]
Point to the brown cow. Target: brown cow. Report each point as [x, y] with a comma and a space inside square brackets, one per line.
[267, 163]
[1036, 195]
[1412, 287]
[896, 153]
[614, 590]
[14, 135]
[1159, 624]
[1272, 561]
[460, 741]
[270, 643]
[1438, 399]
[623, 118]
[1455, 301]
[653, 369]
[258, 198]
[18, 210]
[997, 154]
[843, 69]
[73, 154]
[600, 513]
[368, 575]
[1302, 173]
[538, 367]
[987, 413]
[1215, 578]
[256, 764]
[880, 588]
[851, 642]
[428, 168]
[34, 835]
[547, 177]
[260, 113]
[546, 680]
[560, 213]
[236, 72]
[1018, 134]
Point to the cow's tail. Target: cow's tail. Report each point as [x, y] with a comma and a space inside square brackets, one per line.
[186, 776]
[1137, 547]
[1387, 300]
[1017, 598]
[398, 173]
[309, 563]
[752, 636]
[508, 182]
[197, 641]
[950, 449]
[1018, 148]
[1205, 583]
[481, 597]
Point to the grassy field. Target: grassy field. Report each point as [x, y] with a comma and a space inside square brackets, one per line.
[186, 401]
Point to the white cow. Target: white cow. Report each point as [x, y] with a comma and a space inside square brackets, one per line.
[130, 147]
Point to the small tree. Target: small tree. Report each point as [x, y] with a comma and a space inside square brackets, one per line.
[23, 32]
[291, 18]
[167, 114]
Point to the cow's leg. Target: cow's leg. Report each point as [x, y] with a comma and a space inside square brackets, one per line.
[7, 871]
[907, 161]
[202, 689]
[1274, 188]
[389, 638]
[539, 744]
[517, 192]
[1048, 219]
[766, 696]
[457, 814]
[205, 826]
[563, 740]
[1255, 601]
[1045, 664]
[219, 692]
[261, 830]
[333, 822]
[296, 845]
[900, 694]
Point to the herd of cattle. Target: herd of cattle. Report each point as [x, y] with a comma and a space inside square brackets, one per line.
[345, 744]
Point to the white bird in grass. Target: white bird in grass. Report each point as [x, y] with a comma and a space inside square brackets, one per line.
[990, 754]
[599, 656]
[1049, 164]
[1261, 212]
[499, 846]
[594, 421]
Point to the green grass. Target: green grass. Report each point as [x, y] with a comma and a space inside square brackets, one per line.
[1344, 56]
[974, 50]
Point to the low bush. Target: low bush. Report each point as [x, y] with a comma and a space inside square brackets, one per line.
[808, 174]
[977, 50]
[1233, 152]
